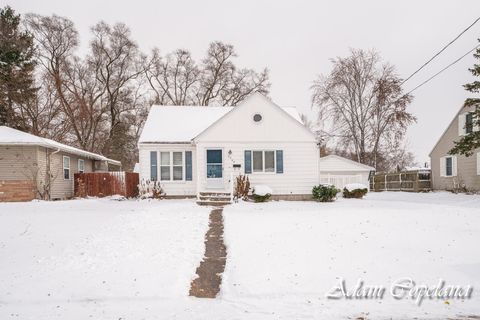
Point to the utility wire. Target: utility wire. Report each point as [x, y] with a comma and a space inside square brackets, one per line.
[438, 53]
[439, 72]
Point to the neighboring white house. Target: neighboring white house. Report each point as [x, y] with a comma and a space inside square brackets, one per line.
[340, 171]
[202, 149]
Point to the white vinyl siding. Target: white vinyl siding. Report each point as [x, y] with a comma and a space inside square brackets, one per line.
[66, 168]
[172, 188]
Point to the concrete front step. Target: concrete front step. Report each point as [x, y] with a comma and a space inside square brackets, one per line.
[210, 198]
[211, 193]
[214, 198]
[213, 203]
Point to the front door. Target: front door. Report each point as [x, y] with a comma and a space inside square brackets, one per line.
[214, 169]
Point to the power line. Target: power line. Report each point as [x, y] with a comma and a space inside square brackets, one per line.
[438, 53]
[439, 72]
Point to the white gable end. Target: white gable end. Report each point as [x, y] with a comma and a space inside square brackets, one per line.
[334, 163]
[275, 124]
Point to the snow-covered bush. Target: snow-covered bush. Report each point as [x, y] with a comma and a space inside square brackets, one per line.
[325, 193]
[242, 187]
[150, 190]
[261, 193]
[355, 190]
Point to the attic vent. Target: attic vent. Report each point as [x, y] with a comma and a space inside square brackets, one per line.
[257, 117]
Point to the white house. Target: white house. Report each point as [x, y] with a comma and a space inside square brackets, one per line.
[193, 150]
[340, 171]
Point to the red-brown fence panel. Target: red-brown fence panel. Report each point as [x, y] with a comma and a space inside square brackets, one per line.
[102, 184]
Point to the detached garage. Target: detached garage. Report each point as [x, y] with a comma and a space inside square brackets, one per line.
[340, 171]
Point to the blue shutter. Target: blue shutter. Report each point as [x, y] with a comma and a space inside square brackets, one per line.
[153, 166]
[188, 165]
[248, 161]
[279, 155]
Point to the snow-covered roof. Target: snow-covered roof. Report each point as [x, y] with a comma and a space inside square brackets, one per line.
[180, 124]
[10, 136]
[332, 163]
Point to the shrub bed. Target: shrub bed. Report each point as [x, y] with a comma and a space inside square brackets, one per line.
[325, 193]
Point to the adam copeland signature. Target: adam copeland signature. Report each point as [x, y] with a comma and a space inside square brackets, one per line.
[404, 288]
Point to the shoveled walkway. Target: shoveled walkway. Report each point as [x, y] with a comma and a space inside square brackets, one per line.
[207, 285]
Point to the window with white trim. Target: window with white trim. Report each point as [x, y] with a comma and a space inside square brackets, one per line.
[66, 168]
[81, 165]
[263, 161]
[172, 166]
[448, 166]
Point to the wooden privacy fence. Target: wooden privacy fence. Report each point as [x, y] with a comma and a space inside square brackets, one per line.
[102, 184]
[413, 181]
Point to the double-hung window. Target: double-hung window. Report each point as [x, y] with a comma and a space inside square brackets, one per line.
[171, 166]
[263, 161]
[66, 168]
[81, 165]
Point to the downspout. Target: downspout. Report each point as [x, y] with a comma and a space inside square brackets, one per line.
[49, 172]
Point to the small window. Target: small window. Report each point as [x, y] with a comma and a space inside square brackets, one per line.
[66, 168]
[449, 166]
[257, 117]
[81, 166]
[164, 165]
[469, 123]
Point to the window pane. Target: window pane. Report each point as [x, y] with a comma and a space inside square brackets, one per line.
[214, 156]
[164, 173]
[177, 173]
[214, 170]
[66, 173]
[448, 162]
[469, 123]
[269, 161]
[177, 158]
[66, 162]
[153, 166]
[257, 161]
[165, 158]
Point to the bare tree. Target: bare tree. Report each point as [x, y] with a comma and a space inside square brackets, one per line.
[364, 100]
[178, 80]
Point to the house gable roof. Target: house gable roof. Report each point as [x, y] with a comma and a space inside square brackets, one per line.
[10, 136]
[182, 124]
[329, 164]
[259, 103]
[455, 118]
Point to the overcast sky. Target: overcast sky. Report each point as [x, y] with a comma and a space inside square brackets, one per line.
[296, 39]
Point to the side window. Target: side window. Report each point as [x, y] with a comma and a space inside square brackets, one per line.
[448, 166]
[66, 168]
[469, 123]
[153, 166]
[81, 165]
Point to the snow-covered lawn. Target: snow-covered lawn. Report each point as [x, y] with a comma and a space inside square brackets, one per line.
[284, 257]
[106, 259]
[99, 258]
